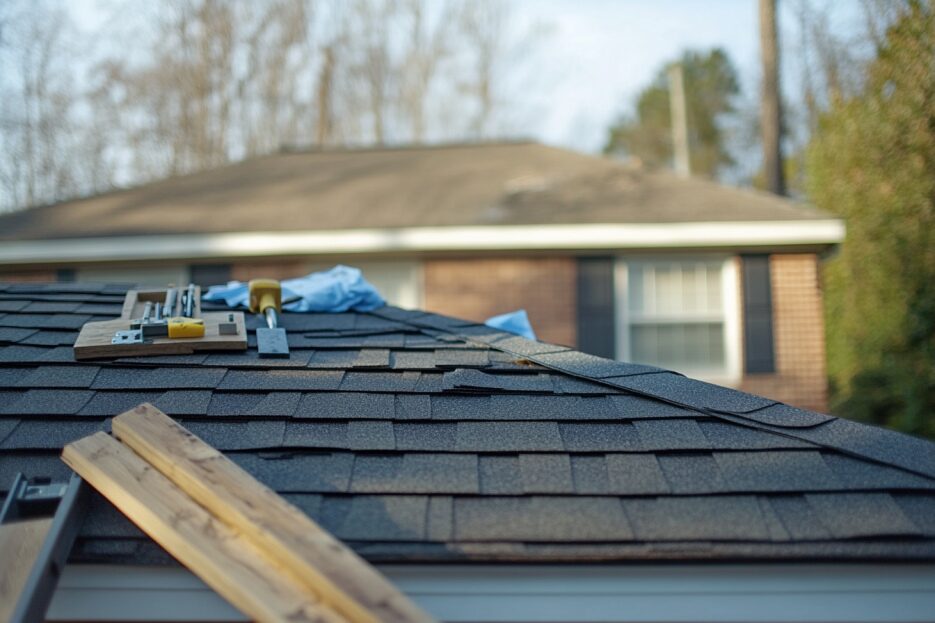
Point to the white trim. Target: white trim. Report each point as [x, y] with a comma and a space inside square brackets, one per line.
[733, 356]
[552, 593]
[622, 309]
[421, 239]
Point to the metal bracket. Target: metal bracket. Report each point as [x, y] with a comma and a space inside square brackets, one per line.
[24, 500]
[132, 336]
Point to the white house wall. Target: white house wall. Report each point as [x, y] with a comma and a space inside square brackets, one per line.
[551, 593]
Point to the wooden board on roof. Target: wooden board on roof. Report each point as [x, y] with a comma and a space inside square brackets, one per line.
[95, 339]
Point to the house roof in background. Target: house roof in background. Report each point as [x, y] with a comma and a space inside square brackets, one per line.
[417, 437]
[487, 184]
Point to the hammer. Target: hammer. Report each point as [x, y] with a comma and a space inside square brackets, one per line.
[266, 299]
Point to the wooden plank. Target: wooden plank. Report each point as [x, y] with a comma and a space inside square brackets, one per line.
[20, 543]
[222, 557]
[332, 570]
[94, 340]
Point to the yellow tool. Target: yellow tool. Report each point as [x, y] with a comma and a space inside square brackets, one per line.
[181, 327]
[266, 299]
[264, 294]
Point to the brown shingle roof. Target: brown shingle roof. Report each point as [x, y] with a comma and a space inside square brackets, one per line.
[482, 184]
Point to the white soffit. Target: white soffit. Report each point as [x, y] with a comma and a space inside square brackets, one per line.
[551, 593]
[420, 239]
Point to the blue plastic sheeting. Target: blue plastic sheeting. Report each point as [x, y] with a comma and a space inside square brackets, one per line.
[515, 322]
[337, 290]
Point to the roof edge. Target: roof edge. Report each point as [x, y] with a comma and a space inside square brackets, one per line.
[606, 236]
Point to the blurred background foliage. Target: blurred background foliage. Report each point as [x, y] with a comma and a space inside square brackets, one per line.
[872, 161]
[711, 89]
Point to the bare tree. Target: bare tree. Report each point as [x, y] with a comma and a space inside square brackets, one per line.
[183, 85]
[428, 48]
[36, 105]
[483, 26]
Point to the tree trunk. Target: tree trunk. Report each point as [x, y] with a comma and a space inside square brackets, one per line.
[770, 105]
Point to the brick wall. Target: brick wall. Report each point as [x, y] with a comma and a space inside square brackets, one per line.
[245, 270]
[18, 276]
[479, 288]
[798, 335]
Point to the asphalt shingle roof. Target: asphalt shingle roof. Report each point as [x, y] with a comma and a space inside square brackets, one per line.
[418, 437]
[435, 186]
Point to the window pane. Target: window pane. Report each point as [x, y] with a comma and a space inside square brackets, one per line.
[696, 346]
[674, 288]
[712, 293]
[636, 289]
[668, 298]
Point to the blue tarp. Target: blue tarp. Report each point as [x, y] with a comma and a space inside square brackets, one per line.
[515, 322]
[340, 289]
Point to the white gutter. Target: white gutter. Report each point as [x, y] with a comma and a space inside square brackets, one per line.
[549, 593]
[420, 239]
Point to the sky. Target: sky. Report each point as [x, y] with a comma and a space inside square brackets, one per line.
[600, 53]
[590, 58]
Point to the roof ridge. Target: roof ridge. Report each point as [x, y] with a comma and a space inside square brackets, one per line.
[864, 441]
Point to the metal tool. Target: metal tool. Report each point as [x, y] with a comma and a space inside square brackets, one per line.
[185, 325]
[169, 306]
[190, 301]
[266, 299]
[229, 327]
[160, 319]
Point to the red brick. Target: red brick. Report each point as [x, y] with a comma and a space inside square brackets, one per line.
[798, 335]
[476, 289]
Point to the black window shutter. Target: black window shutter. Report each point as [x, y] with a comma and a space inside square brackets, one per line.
[205, 275]
[757, 315]
[595, 306]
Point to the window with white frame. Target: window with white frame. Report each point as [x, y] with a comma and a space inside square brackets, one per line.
[679, 314]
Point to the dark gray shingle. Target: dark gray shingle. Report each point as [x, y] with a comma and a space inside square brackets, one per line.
[59, 376]
[592, 437]
[536, 518]
[500, 475]
[416, 473]
[346, 406]
[697, 394]
[692, 473]
[850, 515]
[546, 473]
[689, 518]
[282, 380]
[508, 437]
[159, 378]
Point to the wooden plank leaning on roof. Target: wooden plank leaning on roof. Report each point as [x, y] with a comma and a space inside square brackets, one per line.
[225, 559]
[20, 543]
[329, 569]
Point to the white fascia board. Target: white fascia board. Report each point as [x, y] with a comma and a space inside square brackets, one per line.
[551, 593]
[426, 239]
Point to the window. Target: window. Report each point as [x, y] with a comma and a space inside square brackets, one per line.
[680, 314]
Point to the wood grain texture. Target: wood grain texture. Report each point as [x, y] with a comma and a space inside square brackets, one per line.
[20, 543]
[223, 558]
[94, 340]
[343, 580]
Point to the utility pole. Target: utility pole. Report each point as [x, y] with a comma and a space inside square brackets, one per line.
[680, 150]
[325, 94]
[771, 104]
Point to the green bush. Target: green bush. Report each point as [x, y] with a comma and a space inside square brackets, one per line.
[872, 161]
